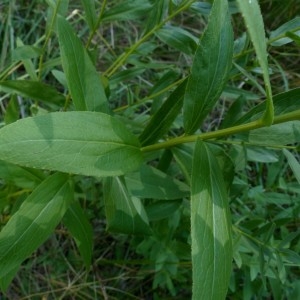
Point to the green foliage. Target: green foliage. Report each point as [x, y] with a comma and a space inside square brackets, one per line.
[155, 131]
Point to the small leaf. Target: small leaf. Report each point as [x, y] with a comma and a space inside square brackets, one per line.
[32, 224]
[127, 10]
[32, 89]
[83, 80]
[152, 183]
[278, 36]
[90, 12]
[211, 227]
[251, 13]
[178, 38]
[210, 69]
[124, 213]
[81, 230]
[164, 117]
[87, 143]
[162, 209]
[293, 163]
[25, 52]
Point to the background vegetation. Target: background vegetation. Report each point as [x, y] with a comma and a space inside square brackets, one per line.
[264, 197]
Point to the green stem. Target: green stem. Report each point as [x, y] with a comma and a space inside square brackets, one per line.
[121, 59]
[221, 133]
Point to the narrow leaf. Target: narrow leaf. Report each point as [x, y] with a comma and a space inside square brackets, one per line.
[87, 143]
[90, 12]
[251, 13]
[210, 68]
[81, 230]
[124, 213]
[293, 163]
[32, 89]
[83, 80]
[164, 117]
[32, 224]
[152, 183]
[211, 228]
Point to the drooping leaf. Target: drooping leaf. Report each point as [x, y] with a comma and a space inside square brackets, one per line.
[152, 183]
[210, 69]
[210, 226]
[90, 12]
[87, 143]
[253, 19]
[83, 80]
[124, 213]
[164, 117]
[34, 90]
[33, 223]
[178, 38]
[278, 36]
[81, 230]
[127, 10]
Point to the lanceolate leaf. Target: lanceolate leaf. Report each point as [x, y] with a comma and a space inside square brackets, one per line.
[210, 68]
[34, 90]
[32, 224]
[83, 80]
[255, 26]
[87, 143]
[124, 213]
[81, 230]
[90, 12]
[210, 225]
[164, 117]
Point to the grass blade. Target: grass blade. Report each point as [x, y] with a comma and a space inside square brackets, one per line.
[210, 225]
[251, 12]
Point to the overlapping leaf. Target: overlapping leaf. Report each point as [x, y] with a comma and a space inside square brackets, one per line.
[210, 227]
[87, 143]
[210, 69]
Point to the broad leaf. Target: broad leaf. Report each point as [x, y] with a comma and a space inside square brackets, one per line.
[33, 223]
[251, 12]
[152, 183]
[210, 68]
[81, 230]
[34, 90]
[164, 117]
[211, 227]
[124, 213]
[83, 80]
[127, 10]
[90, 12]
[87, 143]
[162, 209]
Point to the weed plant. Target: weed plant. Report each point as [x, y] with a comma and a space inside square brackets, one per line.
[149, 149]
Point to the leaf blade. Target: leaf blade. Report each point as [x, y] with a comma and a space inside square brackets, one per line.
[210, 225]
[86, 143]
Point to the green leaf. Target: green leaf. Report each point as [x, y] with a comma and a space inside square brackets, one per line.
[283, 103]
[178, 38]
[22, 177]
[253, 19]
[162, 209]
[83, 80]
[293, 163]
[124, 213]
[33, 223]
[32, 89]
[152, 183]
[157, 13]
[164, 117]
[278, 36]
[87, 143]
[127, 10]
[81, 230]
[276, 135]
[90, 13]
[12, 110]
[211, 227]
[26, 52]
[210, 69]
